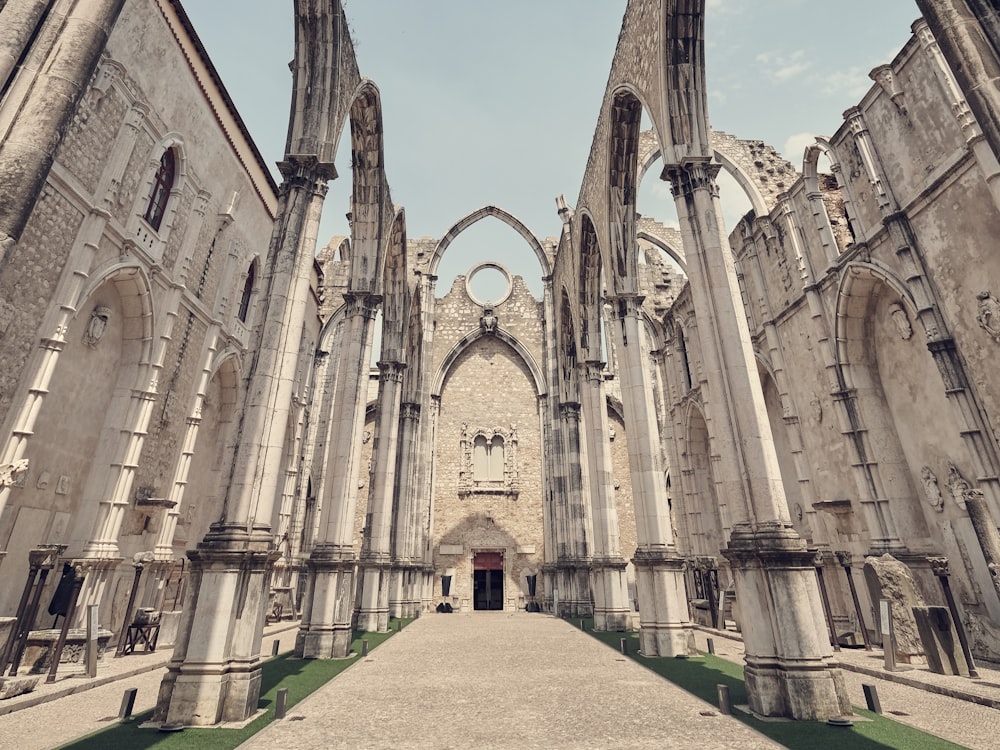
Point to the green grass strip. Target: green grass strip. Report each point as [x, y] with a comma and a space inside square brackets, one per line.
[701, 676]
[301, 676]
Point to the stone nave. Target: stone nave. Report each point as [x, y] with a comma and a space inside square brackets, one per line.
[689, 424]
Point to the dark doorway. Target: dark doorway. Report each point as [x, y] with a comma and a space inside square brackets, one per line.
[487, 581]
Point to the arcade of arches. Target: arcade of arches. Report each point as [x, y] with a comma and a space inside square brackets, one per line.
[682, 430]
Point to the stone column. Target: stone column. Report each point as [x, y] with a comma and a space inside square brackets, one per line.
[27, 151]
[789, 666]
[325, 630]
[972, 58]
[215, 671]
[577, 568]
[18, 19]
[373, 609]
[665, 628]
[403, 598]
[608, 581]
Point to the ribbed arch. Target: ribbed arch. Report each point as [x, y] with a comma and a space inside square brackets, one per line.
[498, 213]
[470, 338]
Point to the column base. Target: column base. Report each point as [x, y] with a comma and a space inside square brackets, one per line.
[790, 669]
[326, 629]
[611, 606]
[573, 578]
[215, 673]
[373, 610]
[664, 625]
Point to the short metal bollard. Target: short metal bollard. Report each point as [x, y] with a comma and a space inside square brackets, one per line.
[128, 703]
[399, 625]
[871, 698]
[711, 645]
[281, 704]
[583, 625]
[364, 647]
[624, 645]
[275, 646]
[725, 701]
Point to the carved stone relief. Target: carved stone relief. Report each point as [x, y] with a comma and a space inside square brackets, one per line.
[97, 325]
[957, 485]
[931, 488]
[989, 314]
[901, 320]
[12, 474]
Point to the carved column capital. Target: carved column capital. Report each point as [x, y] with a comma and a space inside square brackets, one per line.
[570, 410]
[593, 370]
[626, 306]
[391, 371]
[362, 303]
[409, 410]
[692, 175]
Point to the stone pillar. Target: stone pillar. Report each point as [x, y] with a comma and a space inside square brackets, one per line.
[215, 671]
[608, 580]
[577, 596]
[665, 628]
[18, 19]
[789, 666]
[972, 57]
[27, 151]
[373, 610]
[403, 598]
[325, 630]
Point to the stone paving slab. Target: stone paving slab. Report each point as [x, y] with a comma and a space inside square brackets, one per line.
[501, 680]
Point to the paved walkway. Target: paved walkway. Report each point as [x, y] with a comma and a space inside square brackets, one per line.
[501, 680]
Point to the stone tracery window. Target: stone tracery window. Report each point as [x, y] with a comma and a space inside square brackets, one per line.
[488, 461]
[163, 183]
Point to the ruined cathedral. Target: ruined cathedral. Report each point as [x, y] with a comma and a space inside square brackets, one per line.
[758, 425]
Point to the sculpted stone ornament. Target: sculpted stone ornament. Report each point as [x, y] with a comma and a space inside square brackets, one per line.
[931, 488]
[989, 314]
[901, 320]
[488, 321]
[957, 484]
[13, 473]
[97, 326]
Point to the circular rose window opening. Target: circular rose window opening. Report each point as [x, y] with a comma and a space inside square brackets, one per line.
[488, 284]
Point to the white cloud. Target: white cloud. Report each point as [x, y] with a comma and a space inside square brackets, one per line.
[853, 82]
[795, 147]
[780, 67]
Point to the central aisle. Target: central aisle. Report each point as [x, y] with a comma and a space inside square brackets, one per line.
[501, 680]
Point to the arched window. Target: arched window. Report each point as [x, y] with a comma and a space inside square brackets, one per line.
[160, 194]
[247, 293]
[489, 462]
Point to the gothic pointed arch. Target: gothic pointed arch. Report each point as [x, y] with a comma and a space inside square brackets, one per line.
[590, 288]
[498, 213]
[395, 293]
[371, 205]
[471, 337]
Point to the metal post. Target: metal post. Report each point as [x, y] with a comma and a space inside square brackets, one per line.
[725, 700]
[624, 645]
[120, 651]
[711, 645]
[825, 597]
[275, 645]
[940, 567]
[871, 698]
[78, 577]
[128, 703]
[844, 558]
[364, 647]
[281, 704]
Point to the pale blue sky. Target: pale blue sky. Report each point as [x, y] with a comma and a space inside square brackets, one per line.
[496, 103]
